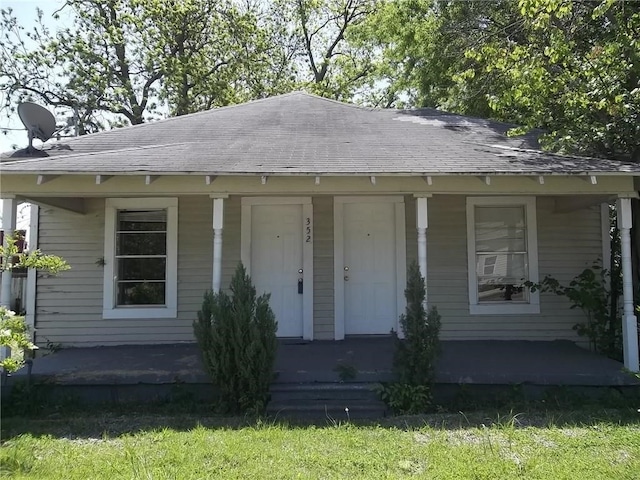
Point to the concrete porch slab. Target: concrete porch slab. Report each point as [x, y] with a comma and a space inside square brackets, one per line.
[461, 362]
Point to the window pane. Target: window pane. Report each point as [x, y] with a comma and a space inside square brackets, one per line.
[140, 293]
[500, 229]
[141, 268]
[141, 243]
[502, 292]
[142, 220]
[499, 277]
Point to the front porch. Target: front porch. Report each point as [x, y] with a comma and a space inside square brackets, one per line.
[95, 372]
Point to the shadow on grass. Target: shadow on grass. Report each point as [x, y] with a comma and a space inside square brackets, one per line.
[30, 412]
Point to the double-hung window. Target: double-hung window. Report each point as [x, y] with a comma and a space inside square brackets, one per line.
[140, 279]
[502, 255]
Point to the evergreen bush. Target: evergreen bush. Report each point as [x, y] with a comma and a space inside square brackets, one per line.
[414, 362]
[237, 337]
[416, 355]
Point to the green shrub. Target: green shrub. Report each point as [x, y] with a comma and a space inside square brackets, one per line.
[595, 291]
[414, 362]
[405, 399]
[237, 337]
[14, 334]
[416, 354]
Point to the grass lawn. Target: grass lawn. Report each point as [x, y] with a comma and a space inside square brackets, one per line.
[558, 445]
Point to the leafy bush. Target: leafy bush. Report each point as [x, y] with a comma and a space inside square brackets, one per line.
[592, 291]
[14, 334]
[414, 362]
[237, 337]
[13, 258]
[404, 398]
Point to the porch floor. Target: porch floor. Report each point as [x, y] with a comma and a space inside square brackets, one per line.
[461, 362]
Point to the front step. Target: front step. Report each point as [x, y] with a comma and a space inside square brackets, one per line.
[332, 401]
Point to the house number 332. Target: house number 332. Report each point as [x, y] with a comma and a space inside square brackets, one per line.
[307, 230]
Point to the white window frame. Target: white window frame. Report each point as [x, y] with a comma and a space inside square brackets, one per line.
[170, 308]
[506, 308]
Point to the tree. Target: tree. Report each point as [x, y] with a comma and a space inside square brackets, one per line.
[424, 44]
[214, 53]
[98, 65]
[574, 71]
[120, 58]
[14, 332]
[330, 43]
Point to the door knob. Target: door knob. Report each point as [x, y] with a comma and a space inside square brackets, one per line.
[300, 270]
[346, 278]
[346, 269]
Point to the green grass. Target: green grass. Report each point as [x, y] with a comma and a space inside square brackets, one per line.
[571, 445]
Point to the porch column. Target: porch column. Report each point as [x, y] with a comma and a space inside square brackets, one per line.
[422, 223]
[9, 212]
[629, 320]
[218, 219]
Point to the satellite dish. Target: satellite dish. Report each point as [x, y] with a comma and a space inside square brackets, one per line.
[39, 121]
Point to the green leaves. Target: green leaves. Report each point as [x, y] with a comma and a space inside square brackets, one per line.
[591, 291]
[13, 258]
[15, 335]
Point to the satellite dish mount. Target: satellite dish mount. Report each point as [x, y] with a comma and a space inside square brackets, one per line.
[39, 122]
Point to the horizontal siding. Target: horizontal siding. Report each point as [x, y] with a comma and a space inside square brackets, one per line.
[195, 259]
[567, 243]
[323, 298]
[69, 306]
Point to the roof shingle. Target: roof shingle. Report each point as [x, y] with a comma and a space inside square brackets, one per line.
[301, 134]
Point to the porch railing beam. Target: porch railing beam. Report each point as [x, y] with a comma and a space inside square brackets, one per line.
[629, 320]
[9, 213]
[218, 221]
[422, 223]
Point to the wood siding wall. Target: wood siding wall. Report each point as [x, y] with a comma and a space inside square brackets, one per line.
[69, 306]
[567, 243]
[323, 320]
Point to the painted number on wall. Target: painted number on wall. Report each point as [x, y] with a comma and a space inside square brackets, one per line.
[307, 230]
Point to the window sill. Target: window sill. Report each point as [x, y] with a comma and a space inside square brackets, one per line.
[505, 309]
[134, 313]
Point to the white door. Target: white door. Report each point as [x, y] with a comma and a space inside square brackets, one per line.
[369, 271]
[276, 259]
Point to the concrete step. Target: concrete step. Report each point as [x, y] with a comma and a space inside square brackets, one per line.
[322, 391]
[338, 401]
[324, 411]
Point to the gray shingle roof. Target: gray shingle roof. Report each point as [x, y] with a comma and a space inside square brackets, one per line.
[302, 134]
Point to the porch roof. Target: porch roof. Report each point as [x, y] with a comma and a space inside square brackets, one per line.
[302, 134]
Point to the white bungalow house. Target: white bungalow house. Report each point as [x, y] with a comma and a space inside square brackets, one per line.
[325, 204]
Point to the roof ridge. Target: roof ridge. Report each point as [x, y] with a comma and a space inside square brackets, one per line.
[344, 104]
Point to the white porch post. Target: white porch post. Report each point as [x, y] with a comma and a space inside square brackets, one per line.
[9, 213]
[629, 320]
[218, 221]
[422, 223]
